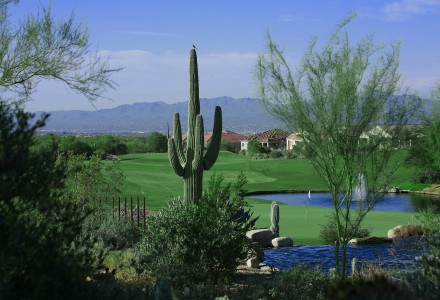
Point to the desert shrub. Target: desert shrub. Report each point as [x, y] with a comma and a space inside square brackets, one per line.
[260, 156]
[300, 282]
[276, 154]
[226, 146]
[44, 252]
[190, 243]
[289, 154]
[329, 233]
[378, 287]
[425, 279]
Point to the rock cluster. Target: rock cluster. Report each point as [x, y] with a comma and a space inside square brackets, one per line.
[265, 239]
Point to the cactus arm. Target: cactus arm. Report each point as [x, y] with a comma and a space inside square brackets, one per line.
[214, 147]
[174, 158]
[177, 137]
[199, 140]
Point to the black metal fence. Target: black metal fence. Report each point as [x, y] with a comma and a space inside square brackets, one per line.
[131, 209]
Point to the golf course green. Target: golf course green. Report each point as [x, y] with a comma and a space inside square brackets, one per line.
[150, 175]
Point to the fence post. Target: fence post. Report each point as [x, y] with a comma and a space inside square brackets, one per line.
[113, 208]
[131, 210]
[125, 208]
[145, 217]
[119, 208]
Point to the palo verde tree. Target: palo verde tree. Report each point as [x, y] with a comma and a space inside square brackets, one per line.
[189, 162]
[336, 96]
[41, 47]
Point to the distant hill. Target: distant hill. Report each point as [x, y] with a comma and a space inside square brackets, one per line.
[244, 115]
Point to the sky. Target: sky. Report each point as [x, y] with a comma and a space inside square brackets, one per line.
[151, 39]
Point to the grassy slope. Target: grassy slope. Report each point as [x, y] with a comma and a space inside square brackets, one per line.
[151, 174]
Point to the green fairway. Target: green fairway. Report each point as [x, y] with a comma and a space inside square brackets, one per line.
[151, 175]
[303, 223]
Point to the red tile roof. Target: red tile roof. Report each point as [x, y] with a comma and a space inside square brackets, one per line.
[270, 135]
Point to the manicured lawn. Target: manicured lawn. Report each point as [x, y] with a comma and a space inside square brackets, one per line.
[151, 175]
[303, 223]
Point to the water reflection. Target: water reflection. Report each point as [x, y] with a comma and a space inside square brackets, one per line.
[391, 202]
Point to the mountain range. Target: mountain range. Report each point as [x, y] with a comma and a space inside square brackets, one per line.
[244, 115]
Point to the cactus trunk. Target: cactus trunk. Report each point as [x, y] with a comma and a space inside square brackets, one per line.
[275, 218]
[190, 163]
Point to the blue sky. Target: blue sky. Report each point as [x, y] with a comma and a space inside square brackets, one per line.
[152, 39]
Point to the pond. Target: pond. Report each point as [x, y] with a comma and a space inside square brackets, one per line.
[403, 202]
[392, 255]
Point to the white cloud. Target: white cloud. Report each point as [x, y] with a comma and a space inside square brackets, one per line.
[404, 9]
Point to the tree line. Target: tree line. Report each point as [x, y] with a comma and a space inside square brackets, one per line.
[107, 144]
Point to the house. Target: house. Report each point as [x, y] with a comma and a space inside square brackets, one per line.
[273, 139]
[228, 136]
[231, 137]
[293, 140]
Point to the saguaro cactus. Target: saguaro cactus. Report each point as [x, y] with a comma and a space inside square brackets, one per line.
[190, 162]
[275, 219]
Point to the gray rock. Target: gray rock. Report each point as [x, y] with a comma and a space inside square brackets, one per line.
[262, 236]
[253, 263]
[282, 242]
[371, 240]
[405, 231]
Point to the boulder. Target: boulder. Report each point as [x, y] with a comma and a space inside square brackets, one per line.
[370, 240]
[253, 263]
[394, 190]
[262, 236]
[405, 231]
[282, 242]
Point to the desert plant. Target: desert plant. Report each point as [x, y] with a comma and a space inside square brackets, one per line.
[329, 232]
[336, 95]
[299, 282]
[275, 219]
[190, 162]
[191, 243]
[425, 279]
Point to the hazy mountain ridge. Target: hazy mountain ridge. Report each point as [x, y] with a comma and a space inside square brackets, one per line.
[244, 115]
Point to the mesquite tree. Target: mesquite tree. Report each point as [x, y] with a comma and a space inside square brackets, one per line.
[335, 100]
[189, 162]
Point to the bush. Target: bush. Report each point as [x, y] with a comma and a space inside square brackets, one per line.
[378, 287]
[189, 243]
[299, 282]
[329, 233]
[426, 278]
[276, 154]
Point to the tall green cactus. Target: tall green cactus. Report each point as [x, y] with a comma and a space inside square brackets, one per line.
[190, 162]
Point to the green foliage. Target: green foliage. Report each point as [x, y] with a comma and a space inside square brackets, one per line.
[329, 232]
[425, 279]
[255, 147]
[299, 282]
[190, 162]
[424, 153]
[41, 47]
[335, 96]
[226, 146]
[110, 144]
[156, 143]
[44, 252]
[75, 145]
[378, 287]
[190, 243]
